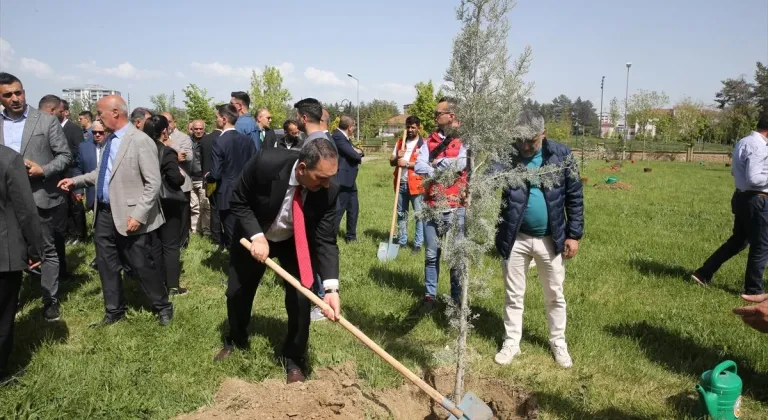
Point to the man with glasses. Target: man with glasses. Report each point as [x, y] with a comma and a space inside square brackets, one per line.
[88, 159]
[539, 223]
[443, 152]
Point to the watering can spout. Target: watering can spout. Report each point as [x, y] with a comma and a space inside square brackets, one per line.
[709, 399]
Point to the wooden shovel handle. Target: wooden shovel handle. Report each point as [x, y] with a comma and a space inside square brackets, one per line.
[432, 392]
[397, 189]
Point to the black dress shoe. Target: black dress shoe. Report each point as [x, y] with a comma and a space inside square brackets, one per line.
[294, 375]
[224, 353]
[51, 312]
[106, 321]
[165, 318]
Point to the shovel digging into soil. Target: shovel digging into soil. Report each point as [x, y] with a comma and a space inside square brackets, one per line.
[471, 406]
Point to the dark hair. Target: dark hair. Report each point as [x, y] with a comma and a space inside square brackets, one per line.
[154, 126]
[243, 97]
[87, 114]
[228, 111]
[288, 123]
[65, 103]
[413, 120]
[49, 100]
[762, 122]
[8, 79]
[310, 107]
[139, 113]
[345, 122]
[315, 150]
[452, 102]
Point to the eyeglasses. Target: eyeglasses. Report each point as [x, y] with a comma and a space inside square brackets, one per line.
[99, 133]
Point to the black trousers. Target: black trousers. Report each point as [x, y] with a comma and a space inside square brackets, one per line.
[228, 226]
[171, 240]
[54, 266]
[216, 230]
[10, 284]
[141, 252]
[750, 227]
[245, 274]
[186, 222]
[347, 202]
[76, 225]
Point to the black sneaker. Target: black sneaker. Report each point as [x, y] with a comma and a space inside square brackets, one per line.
[700, 279]
[428, 306]
[416, 250]
[177, 291]
[107, 321]
[51, 312]
[165, 318]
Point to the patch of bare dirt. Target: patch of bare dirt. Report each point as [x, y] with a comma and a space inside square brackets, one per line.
[616, 167]
[337, 394]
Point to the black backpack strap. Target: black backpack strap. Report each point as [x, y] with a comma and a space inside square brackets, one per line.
[440, 148]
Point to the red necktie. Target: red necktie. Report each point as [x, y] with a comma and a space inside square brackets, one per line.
[300, 236]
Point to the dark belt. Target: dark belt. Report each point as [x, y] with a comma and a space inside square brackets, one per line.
[750, 192]
[104, 206]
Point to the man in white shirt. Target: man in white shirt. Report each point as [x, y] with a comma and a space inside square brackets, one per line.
[749, 205]
[410, 189]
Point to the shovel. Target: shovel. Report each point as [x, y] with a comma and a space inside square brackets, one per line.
[471, 406]
[388, 250]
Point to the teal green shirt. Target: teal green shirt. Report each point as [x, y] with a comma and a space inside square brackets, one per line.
[536, 217]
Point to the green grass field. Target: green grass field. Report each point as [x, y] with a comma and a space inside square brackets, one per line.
[640, 333]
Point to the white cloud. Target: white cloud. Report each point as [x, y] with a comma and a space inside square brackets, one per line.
[323, 77]
[67, 78]
[223, 70]
[38, 68]
[6, 53]
[124, 71]
[179, 74]
[285, 68]
[398, 89]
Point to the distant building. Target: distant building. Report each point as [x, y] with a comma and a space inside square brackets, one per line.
[87, 94]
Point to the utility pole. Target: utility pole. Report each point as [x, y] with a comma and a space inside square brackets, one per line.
[626, 123]
[600, 128]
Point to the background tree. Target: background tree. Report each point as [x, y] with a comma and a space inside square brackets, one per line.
[561, 107]
[735, 93]
[644, 107]
[687, 121]
[737, 100]
[374, 115]
[761, 86]
[424, 105]
[160, 103]
[614, 113]
[199, 105]
[165, 103]
[267, 91]
[585, 117]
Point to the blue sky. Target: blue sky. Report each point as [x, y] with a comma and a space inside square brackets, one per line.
[683, 47]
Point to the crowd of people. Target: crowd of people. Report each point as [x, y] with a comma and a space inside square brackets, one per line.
[151, 186]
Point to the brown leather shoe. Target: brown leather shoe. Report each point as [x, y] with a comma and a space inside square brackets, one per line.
[295, 375]
[225, 353]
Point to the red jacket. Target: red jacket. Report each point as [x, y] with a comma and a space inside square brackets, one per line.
[415, 184]
[453, 192]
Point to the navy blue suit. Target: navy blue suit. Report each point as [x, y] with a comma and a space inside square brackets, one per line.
[349, 164]
[231, 151]
[86, 162]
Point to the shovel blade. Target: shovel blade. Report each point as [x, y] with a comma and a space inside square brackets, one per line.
[387, 251]
[474, 408]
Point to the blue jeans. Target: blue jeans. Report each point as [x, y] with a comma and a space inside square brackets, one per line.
[403, 198]
[433, 234]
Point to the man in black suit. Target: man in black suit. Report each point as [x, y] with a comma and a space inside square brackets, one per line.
[76, 226]
[206, 162]
[278, 188]
[349, 164]
[19, 232]
[263, 123]
[229, 154]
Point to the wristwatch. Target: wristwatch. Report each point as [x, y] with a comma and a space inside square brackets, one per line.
[328, 291]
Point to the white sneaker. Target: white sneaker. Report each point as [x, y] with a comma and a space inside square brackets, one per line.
[316, 314]
[508, 351]
[560, 350]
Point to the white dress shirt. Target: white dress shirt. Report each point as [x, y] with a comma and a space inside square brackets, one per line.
[282, 228]
[750, 163]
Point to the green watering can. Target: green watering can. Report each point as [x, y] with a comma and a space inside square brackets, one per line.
[611, 180]
[720, 392]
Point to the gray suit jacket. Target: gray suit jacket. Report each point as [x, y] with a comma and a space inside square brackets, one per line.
[181, 142]
[44, 143]
[134, 185]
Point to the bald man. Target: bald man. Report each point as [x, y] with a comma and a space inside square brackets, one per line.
[128, 212]
[182, 144]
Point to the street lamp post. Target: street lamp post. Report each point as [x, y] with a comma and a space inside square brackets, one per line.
[600, 128]
[626, 104]
[358, 105]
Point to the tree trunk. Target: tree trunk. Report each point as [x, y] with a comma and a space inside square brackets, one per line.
[461, 346]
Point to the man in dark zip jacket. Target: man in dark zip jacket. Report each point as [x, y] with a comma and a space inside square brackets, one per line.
[540, 224]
